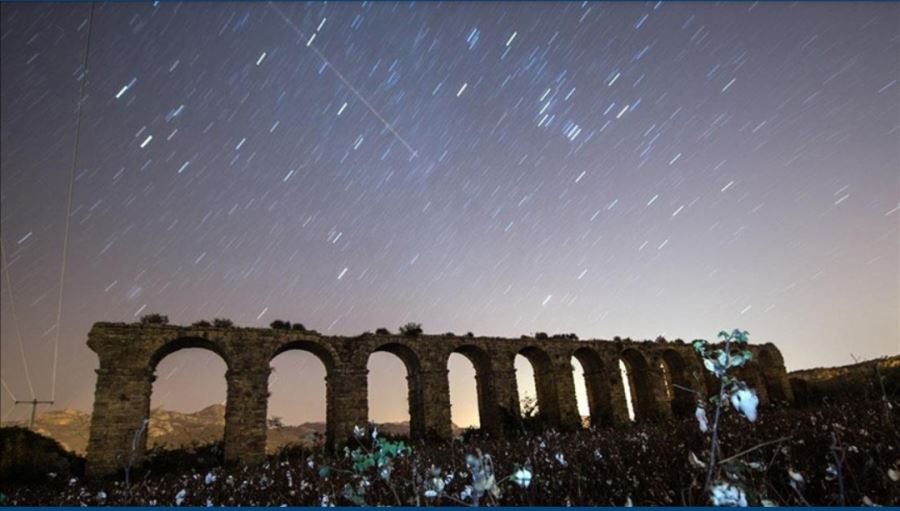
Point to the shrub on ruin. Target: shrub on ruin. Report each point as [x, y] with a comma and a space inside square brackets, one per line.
[201, 324]
[280, 325]
[154, 319]
[223, 323]
[382, 331]
[541, 336]
[298, 327]
[411, 329]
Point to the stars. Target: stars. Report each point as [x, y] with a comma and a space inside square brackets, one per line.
[465, 162]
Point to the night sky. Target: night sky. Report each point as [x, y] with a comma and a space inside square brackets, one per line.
[630, 169]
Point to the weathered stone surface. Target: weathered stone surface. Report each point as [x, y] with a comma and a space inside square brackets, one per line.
[129, 354]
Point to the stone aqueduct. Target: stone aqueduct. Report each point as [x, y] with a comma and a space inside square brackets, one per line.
[129, 354]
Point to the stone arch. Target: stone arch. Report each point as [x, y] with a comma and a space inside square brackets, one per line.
[640, 377]
[191, 381]
[327, 360]
[484, 388]
[413, 364]
[544, 383]
[181, 343]
[682, 401]
[770, 375]
[597, 386]
[165, 349]
[325, 355]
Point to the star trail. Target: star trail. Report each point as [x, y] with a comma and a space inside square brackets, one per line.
[607, 169]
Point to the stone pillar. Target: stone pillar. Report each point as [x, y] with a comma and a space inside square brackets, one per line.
[118, 435]
[563, 379]
[488, 415]
[547, 394]
[758, 383]
[435, 396]
[656, 379]
[506, 390]
[416, 404]
[347, 404]
[245, 414]
[599, 397]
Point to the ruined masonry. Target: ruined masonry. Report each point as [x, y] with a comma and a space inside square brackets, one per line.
[129, 354]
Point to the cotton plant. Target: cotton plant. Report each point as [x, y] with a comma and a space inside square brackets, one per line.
[371, 463]
[485, 485]
[436, 482]
[484, 482]
[722, 362]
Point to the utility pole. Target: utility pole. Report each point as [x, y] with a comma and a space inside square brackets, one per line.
[34, 403]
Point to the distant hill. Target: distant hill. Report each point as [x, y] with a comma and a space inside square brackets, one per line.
[860, 380]
[171, 429]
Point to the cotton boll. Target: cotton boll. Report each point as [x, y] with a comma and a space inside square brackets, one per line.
[745, 401]
[700, 414]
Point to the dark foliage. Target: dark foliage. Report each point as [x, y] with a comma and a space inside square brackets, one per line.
[382, 331]
[154, 319]
[541, 336]
[223, 323]
[644, 463]
[411, 330]
[298, 327]
[201, 324]
[26, 456]
[198, 457]
[280, 325]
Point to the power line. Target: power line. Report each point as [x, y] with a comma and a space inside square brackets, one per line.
[8, 412]
[65, 250]
[344, 80]
[34, 404]
[6, 388]
[15, 316]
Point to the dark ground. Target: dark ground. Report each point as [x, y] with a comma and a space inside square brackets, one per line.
[648, 464]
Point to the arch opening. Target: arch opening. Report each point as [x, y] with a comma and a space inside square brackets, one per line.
[581, 393]
[525, 385]
[187, 397]
[592, 387]
[627, 385]
[297, 405]
[464, 406]
[395, 412]
[637, 376]
[674, 372]
[545, 404]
